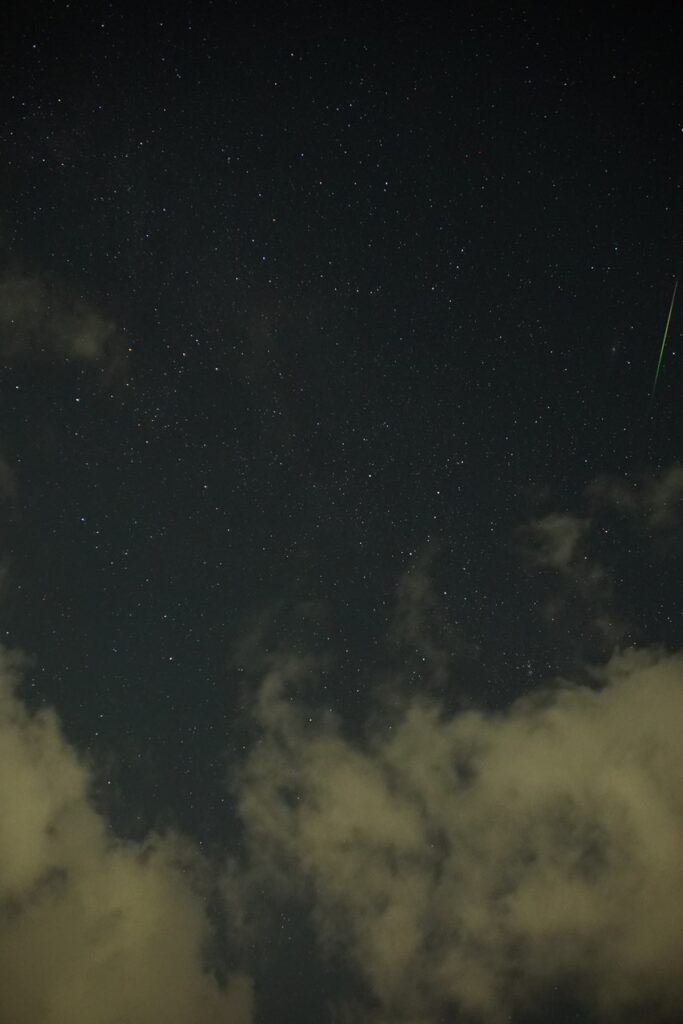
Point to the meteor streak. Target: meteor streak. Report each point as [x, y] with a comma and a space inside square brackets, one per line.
[666, 331]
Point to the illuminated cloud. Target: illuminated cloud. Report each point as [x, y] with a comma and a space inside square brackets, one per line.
[91, 928]
[469, 863]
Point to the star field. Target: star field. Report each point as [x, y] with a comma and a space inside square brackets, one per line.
[327, 445]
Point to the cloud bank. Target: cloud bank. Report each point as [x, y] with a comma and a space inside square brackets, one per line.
[460, 866]
[466, 865]
[91, 928]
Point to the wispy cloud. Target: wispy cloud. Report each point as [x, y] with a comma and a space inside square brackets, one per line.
[428, 642]
[652, 501]
[41, 322]
[554, 540]
[559, 542]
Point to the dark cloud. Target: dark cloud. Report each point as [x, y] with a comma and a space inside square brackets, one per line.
[554, 540]
[43, 323]
[653, 501]
[559, 542]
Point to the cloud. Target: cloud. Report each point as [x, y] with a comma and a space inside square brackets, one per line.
[554, 540]
[39, 322]
[653, 501]
[559, 542]
[467, 864]
[427, 641]
[92, 928]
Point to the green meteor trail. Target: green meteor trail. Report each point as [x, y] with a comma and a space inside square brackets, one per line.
[666, 331]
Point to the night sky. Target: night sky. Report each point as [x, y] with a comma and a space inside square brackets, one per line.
[341, 677]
